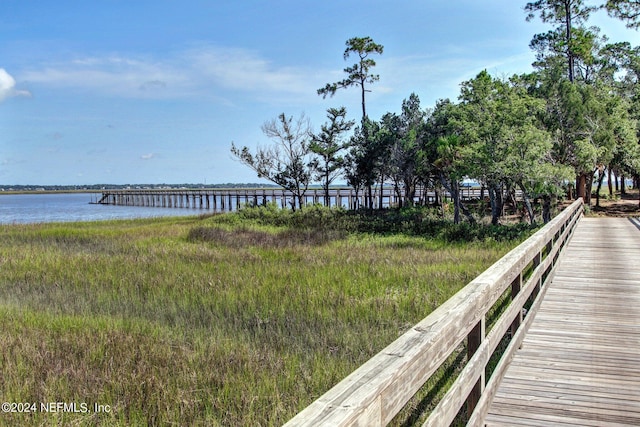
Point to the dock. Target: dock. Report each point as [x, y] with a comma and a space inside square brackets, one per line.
[231, 199]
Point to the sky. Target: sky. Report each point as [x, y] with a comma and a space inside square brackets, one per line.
[155, 91]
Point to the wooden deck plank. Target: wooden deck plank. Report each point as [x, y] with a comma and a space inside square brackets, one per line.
[579, 364]
[572, 391]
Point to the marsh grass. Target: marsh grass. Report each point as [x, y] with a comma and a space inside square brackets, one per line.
[222, 320]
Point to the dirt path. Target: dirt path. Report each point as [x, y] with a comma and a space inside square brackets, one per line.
[625, 205]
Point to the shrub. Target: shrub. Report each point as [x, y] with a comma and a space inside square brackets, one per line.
[319, 220]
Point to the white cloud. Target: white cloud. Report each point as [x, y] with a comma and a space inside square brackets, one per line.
[244, 70]
[115, 76]
[153, 85]
[223, 73]
[440, 74]
[8, 86]
[208, 70]
[148, 156]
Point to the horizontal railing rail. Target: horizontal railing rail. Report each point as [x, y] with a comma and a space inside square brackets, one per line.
[376, 392]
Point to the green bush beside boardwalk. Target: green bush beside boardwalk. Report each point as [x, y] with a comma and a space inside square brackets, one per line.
[234, 319]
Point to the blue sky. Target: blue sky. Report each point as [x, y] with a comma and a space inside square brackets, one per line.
[139, 91]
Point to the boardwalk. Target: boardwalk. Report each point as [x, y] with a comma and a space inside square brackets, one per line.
[579, 364]
[231, 199]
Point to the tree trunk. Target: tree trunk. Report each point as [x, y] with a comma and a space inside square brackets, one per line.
[398, 193]
[369, 201]
[581, 187]
[512, 199]
[467, 213]
[355, 205]
[495, 197]
[568, 26]
[610, 184]
[327, 199]
[492, 203]
[589, 186]
[364, 110]
[455, 193]
[499, 201]
[452, 188]
[409, 192]
[600, 179]
[527, 204]
[546, 208]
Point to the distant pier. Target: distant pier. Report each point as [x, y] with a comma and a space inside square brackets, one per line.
[231, 199]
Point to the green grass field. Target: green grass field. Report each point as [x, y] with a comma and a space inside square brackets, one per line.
[225, 320]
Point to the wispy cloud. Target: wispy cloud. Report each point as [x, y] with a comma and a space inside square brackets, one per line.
[153, 85]
[247, 71]
[112, 75]
[148, 156]
[224, 73]
[206, 70]
[440, 74]
[8, 86]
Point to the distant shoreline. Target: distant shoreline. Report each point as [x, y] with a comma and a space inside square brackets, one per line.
[97, 188]
[14, 192]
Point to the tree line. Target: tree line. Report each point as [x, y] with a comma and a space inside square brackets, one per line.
[555, 131]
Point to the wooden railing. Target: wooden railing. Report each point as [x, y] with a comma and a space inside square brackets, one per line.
[374, 393]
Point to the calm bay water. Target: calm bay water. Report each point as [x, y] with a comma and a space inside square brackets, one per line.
[65, 207]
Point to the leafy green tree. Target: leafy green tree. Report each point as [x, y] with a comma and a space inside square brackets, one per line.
[526, 149]
[327, 146]
[380, 142]
[368, 159]
[505, 145]
[566, 119]
[453, 169]
[478, 125]
[409, 153]
[359, 74]
[363, 163]
[611, 129]
[627, 10]
[442, 150]
[405, 137]
[566, 15]
[286, 162]
[625, 65]
[363, 159]
[569, 50]
[587, 122]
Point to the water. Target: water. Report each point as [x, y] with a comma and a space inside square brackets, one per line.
[66, 207]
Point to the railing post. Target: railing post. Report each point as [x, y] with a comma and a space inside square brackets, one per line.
[549, 246]
[516, 285]
[537, 260]
[474, 339]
